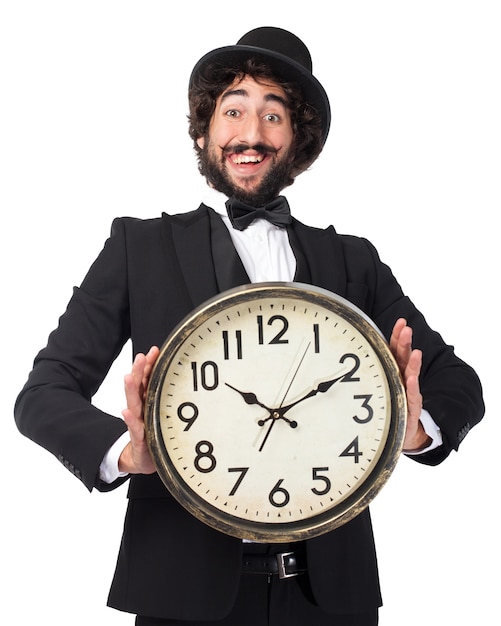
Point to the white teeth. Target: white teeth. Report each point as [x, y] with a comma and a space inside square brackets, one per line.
[245, 158]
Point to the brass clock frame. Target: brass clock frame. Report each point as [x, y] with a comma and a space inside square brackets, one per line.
[339, 513]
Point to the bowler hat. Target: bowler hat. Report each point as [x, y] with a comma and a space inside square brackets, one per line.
[285, 54]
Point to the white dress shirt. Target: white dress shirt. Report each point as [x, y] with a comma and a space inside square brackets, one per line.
[266, 255]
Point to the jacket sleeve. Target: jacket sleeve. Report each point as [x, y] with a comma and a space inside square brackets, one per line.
[54, 408]
[451, 389]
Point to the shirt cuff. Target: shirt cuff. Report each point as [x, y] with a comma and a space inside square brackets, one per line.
[108, 470]
[432, 430]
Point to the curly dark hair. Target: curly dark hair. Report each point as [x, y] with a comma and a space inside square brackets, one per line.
[209, 84]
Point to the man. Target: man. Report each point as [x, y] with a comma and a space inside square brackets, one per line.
[258, 118]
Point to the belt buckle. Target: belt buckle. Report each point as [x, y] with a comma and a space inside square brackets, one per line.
[282, 566]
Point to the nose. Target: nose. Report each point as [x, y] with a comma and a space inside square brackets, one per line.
[251, 130]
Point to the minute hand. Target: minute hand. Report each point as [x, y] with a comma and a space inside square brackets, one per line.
[321, 388]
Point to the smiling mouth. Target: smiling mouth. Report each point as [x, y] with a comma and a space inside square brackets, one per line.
[242, 154]
[238, 159]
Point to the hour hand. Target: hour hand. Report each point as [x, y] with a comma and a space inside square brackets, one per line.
[273, 414]
[249, 397]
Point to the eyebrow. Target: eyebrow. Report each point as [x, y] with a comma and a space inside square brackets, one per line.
[269, 97]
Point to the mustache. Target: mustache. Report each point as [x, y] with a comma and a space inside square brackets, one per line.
[260, 148]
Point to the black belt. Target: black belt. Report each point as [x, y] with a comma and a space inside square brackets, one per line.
[283, 564]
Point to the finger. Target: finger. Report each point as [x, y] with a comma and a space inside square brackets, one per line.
[149, 361]
[402, 348]
[135, 426]
[152, 355]
[414, 399]
[132, 395]
[397, 329]
[414, 363]
[137, 371]
[134, 386]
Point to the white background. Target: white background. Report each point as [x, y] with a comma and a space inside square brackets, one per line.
[92, 114]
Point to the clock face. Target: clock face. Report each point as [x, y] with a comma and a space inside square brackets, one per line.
[275, 412]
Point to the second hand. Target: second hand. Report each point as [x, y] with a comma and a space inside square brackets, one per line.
[273, 421]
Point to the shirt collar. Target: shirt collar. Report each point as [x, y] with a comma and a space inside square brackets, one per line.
[215, 200]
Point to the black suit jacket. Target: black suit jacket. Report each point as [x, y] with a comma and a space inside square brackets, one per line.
[150, 274]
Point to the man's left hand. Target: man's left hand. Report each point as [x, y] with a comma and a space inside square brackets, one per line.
[409, 362]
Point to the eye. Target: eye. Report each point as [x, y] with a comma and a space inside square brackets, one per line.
[272, 117]
[232, 113]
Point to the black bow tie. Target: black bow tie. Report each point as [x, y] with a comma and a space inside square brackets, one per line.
[241, 215]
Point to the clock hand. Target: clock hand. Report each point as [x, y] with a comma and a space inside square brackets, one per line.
[295, 373]
[279, 413]
[251, 398]
[267, 434]
[321, 388]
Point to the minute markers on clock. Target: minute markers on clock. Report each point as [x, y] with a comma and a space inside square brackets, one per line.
[274, 354]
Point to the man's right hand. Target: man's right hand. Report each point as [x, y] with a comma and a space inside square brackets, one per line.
[135, 457]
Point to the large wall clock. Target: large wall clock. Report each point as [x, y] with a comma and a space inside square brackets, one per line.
[275, 412]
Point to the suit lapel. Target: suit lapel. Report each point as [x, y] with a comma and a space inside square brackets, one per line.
[228, 266]
[205, 257]
[188, 237]
[319, 255]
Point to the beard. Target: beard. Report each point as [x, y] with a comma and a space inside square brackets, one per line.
[277, 178]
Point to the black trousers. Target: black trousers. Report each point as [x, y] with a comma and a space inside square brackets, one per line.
[270, 601]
